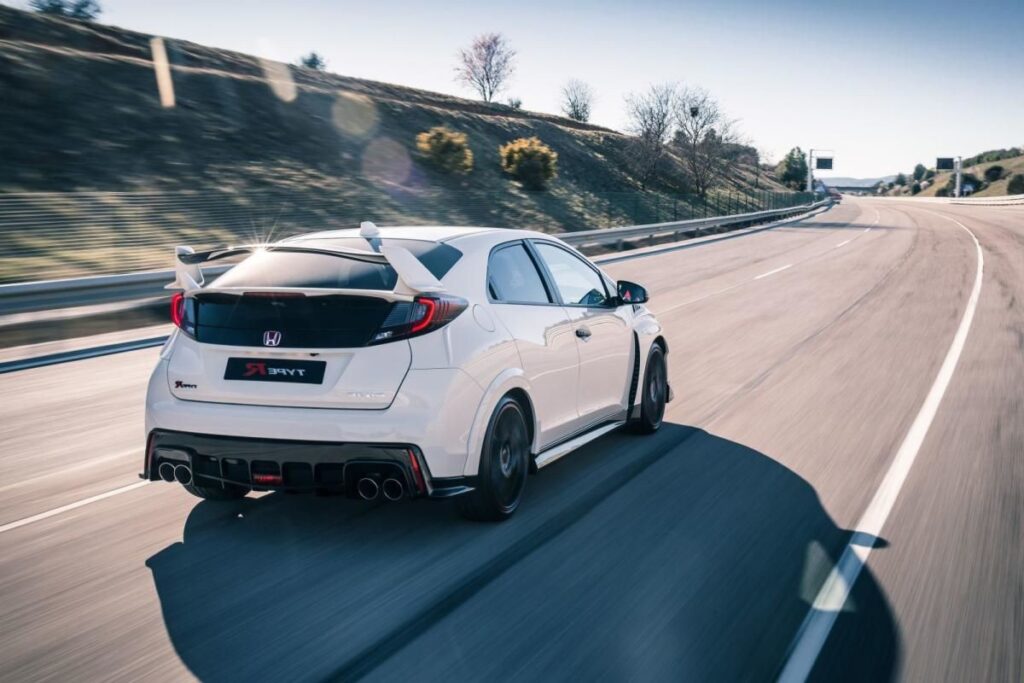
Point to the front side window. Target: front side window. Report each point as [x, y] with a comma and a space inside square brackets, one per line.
[512, 277]
[577, 282]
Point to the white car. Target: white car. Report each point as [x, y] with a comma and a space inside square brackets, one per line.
[398, 363]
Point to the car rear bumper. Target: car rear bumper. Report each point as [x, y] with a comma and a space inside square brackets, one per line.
[292, 465]
[433, 412]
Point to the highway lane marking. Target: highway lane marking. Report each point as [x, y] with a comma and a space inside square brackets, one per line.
[813, 632]
[843, 243]
[723, 290]
[70, 506]
[68, 469]
[772, 272]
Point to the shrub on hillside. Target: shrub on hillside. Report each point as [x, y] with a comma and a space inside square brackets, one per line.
[445, 149]
[1016, 184]
[530, 161]
[929, 174]
[965, 180]
[915, 188]
[994, 173]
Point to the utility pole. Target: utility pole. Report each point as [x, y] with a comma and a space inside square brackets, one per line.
[959, 172]
[810, 170]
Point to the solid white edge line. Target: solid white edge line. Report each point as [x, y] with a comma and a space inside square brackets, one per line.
[772, 272]
[70, 506]
[813, 632]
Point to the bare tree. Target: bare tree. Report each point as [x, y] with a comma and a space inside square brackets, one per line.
[650, 117]
[487, 65]
[707, 139]
[313, 60]
[577, 100]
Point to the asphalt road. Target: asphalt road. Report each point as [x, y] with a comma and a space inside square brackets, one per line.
[800, 357]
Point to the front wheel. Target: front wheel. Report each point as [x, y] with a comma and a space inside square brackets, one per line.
[654, 393]
[504, 464]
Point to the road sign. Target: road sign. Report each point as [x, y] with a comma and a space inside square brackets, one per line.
[944, 164]
[823, 163]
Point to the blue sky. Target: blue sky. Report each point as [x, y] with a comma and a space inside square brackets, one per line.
[883, 84]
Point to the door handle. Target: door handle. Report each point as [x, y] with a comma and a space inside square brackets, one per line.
[582, 332]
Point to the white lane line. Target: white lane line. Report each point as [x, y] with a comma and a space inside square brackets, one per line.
[772, 272]
[70, 506]
[810, 638]
[843, 243]
[78, 466]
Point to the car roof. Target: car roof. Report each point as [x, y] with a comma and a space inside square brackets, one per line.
[429, 233]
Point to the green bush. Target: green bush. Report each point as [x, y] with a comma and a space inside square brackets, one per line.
[530, 161]
[965, 179]
[994, 173]
[915, 188]
[445, 149]
[1016, 184]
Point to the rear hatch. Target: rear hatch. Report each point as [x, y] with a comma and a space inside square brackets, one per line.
[293, 329]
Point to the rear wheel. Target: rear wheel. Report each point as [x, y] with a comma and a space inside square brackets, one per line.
[653, 394]
[227, 492]
[504, 463]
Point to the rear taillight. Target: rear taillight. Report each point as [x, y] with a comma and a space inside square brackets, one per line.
[177, 309]
[421, 315]
[417, 473]
[181, 313]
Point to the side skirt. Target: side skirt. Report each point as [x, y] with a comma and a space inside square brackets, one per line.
[555, 452]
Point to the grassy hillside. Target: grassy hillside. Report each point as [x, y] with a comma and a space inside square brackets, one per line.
[1011, 166]
[99, 177]
[994, 189]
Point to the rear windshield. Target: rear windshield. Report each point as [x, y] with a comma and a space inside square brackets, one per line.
[331, 321]
[334, 271]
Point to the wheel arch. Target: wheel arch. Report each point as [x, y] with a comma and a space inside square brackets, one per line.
[511, 382]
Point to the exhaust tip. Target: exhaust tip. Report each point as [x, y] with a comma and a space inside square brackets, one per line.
[183, 474]
[367, 488]
[393, 489]
[166, 472]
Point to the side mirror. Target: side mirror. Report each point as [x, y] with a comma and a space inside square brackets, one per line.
[631, 292]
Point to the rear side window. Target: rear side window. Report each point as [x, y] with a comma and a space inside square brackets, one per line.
[512, 277]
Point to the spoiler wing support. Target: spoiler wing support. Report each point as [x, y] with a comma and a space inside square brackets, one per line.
[413, 276]
[187, 274]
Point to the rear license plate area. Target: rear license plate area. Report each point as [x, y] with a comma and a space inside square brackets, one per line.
[275, 370]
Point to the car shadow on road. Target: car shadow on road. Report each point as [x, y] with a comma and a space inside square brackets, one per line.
[682, 556]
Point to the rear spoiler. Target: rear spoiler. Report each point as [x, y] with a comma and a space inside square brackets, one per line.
[413, 276]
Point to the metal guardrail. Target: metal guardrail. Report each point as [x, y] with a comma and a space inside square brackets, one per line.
[101, 289]
[1007, 200]
[586, 238]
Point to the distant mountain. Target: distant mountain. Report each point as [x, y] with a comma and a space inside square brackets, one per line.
[857, 182]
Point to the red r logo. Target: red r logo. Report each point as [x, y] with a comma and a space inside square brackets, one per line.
[255, 369]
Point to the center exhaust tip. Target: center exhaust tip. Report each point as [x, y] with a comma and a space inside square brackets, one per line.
[367, 488]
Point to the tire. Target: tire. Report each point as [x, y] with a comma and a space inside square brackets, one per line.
[227, 492]
[653, 393]
[504, 464]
